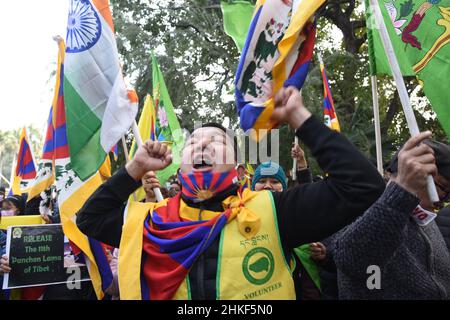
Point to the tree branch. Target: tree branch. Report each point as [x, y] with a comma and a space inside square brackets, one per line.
[188, 25]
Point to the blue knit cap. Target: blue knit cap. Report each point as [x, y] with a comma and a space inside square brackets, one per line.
[269, 170]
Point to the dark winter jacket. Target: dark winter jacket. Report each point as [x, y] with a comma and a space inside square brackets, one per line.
[413, 261]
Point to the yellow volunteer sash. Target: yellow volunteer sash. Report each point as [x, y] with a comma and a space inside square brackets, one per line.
[248, 268]
[254, 268]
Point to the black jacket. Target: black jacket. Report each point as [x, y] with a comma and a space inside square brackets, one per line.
[306, 213]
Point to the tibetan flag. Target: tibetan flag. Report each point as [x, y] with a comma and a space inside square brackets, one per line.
[167, 128]
[329, 114]
[420, 33]
[45, 175]
[73, 193]
[45, 178]
[276, 54]
[237, 16]
[99, 108]
[25, 170]
[115, 151]
[171, 246]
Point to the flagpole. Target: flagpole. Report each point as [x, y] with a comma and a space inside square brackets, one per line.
[13, 170]
[138, 138]
[294, 164]
[401, 88]
[376, 117]
[3, 177]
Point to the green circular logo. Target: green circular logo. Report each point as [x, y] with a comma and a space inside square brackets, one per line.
[258, 265]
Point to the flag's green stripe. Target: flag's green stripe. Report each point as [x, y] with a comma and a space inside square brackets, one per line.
[83, 134]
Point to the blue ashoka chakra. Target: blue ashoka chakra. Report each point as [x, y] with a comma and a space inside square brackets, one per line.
[83, 27]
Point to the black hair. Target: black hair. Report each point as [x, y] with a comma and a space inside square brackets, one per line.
[18, 201]
[228, 132]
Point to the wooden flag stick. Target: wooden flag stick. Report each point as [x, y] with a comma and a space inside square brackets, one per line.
[294, 163]
[402, 92]
[376, 117]
[3, 177]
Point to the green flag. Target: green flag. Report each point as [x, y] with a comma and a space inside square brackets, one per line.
[167, 127]
[237, 16]
[304, 255]
[378, 60]
[420, 33]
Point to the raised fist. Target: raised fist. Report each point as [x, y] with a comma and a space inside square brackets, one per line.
[151, 156]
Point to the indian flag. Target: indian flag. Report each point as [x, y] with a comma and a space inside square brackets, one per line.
[99, 108]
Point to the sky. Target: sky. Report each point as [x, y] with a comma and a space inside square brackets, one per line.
[28, 56]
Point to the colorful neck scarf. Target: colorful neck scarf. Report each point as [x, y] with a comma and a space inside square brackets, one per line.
[172, 245]
[199, 186]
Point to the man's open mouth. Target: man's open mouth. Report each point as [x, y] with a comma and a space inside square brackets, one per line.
[202, 162]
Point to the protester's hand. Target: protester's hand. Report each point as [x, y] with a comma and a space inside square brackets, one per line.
[151, 156]
[289, 108]
[149, 179]
[46, 218]
[318, 251]
[4, 265]
[109, 255]
[299, 154]
[415, 162]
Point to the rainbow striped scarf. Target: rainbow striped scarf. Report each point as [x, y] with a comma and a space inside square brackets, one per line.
[172, 244]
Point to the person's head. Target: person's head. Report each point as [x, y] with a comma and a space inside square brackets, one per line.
[269, 176]
[441, 179]
[174, 188]
[164, 192]
[241, 171]
[13, 206]
[210, 148]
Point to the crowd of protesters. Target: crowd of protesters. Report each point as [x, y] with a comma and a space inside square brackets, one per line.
[345, 235]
